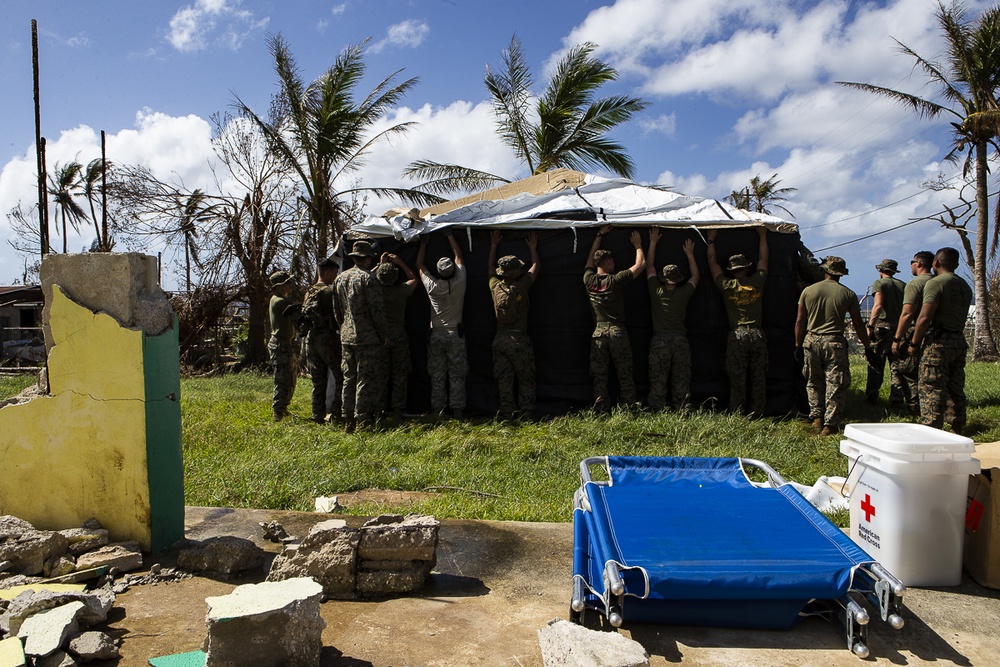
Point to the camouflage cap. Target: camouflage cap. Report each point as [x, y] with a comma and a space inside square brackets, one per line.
[362, 249]
[446, 267]
[887, 266]
[835, 266]
[672, 274]
[509, 265]
[737, 262]
[279, 278]
[386, 273]
[601, 255]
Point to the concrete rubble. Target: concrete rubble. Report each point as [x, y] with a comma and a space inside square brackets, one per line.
[273, 623]
[46, 632]
[96, 605]
[223, 555]
[93, 645]
[123, 556]
[57, 659]
[12, 652]
[388, 555]
[566, 644]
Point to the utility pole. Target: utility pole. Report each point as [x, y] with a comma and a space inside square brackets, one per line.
[43, 195]
[105, 241]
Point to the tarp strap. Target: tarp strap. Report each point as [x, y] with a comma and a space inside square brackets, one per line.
[723, 209]
[574, 239]
[698, 232]
[468, 234]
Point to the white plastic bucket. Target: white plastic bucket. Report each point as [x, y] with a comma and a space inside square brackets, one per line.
[909, 484]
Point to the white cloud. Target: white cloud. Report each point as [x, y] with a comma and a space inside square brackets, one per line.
[663, 124]
[193, 27]
[407, 34]
[337, 10]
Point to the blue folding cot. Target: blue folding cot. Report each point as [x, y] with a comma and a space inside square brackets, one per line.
[693, 541]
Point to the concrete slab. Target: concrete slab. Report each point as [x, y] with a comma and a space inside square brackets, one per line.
[497, 583]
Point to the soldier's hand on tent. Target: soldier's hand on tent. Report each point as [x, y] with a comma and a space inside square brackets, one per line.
[689, 247]
[604, 230]
[636, 239]
[532, 240]
[654, 235]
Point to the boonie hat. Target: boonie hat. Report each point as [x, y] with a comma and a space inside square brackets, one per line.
[362, 249]
[737, 262]
[672, 274]
[835, 266]
[509, 265]
[888, 266]
[386, 273]
[445, 267]
[279, 278]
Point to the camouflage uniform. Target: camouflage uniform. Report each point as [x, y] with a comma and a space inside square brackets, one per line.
[746, 347]
[447, 363]
[322, 348]
[609, 344]
[827, 369]
[363, 330]
[909, 368]
[282, 348]
[513, 355]
[669, 351]
[881, 335]
[942, 356]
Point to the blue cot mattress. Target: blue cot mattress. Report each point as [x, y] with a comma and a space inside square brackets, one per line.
[697, 543]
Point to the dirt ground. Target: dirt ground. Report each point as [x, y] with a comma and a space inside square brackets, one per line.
[497, 583]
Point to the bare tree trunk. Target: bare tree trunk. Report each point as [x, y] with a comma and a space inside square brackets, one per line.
[983, 348]
[258, 324]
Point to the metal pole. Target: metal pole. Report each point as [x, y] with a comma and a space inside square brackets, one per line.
[43, 200]
[105, 241]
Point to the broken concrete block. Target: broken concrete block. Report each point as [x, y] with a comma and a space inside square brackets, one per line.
[403, 578]
[46, 632]
[12, 528]
[327, 555]
[274, 623]
[226, 554]
[123, 555]
[57, 659]
[411, 538]
[96, 605]
[91, 524]
[12, 652]
[6, 565]
[31, 549]
[273, 531]
[82, 540]
[59, 566]
[566, 644]
[94, 645]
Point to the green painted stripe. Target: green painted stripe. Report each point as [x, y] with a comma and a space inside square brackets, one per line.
[165, 465]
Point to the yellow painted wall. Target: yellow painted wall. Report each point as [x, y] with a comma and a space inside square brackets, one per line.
[80, 452]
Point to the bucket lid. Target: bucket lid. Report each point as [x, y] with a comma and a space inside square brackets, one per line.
[909, 439]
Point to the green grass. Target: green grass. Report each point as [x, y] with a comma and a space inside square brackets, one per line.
[11, 385]
[235, 456]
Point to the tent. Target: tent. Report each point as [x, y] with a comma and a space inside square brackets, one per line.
[566, 208]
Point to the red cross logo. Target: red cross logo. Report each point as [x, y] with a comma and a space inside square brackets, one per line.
[868, 508]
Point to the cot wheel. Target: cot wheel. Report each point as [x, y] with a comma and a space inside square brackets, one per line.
[861, 650]
[576, 616]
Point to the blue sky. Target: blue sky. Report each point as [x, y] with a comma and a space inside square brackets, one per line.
[737, 88]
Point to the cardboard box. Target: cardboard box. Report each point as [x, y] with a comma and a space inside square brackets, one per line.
[981, 558]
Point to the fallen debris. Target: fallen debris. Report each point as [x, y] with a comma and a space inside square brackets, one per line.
[224, 555]
[566, 644]
[94, 645]
[44, 633]
[274, 531]
[124, 556]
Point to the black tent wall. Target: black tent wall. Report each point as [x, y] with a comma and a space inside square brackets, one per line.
[560, 320]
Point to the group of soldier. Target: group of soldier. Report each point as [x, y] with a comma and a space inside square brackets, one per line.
[354, 331]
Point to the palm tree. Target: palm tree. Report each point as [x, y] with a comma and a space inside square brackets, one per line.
[91, 184]
[192, 211]
[323, 133]
[565, 127]
[760, 194]
[969, 82]
[64, 184]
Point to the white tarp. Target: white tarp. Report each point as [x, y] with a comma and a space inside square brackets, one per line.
[611, 201]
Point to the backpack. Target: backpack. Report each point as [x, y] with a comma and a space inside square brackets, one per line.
[508, 302]
[312, 316]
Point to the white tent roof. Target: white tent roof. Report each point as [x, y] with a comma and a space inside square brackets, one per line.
[555, 199]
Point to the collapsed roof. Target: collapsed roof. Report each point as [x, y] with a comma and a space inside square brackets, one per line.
[564, 198]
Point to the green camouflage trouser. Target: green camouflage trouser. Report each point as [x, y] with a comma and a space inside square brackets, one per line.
[448, 366]
[396, 367]
[827, 371]
[942, 379]
[669, 360]
[284, 360]
[882, 348]
[323, 356]
[362, 382]
[746, 365]
[610, 345]
[514, 359]
[909, 375]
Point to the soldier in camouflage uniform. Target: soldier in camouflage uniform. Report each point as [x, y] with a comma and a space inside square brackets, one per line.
[669, 351]
[447, 362]
[364, 333]
[396, 364]
[609, 343]
[820, 342]
[746, 349]
[513, 356]
[887, 292]
[940, 337]
[909, 358]
[322, 339]
[281, 346]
